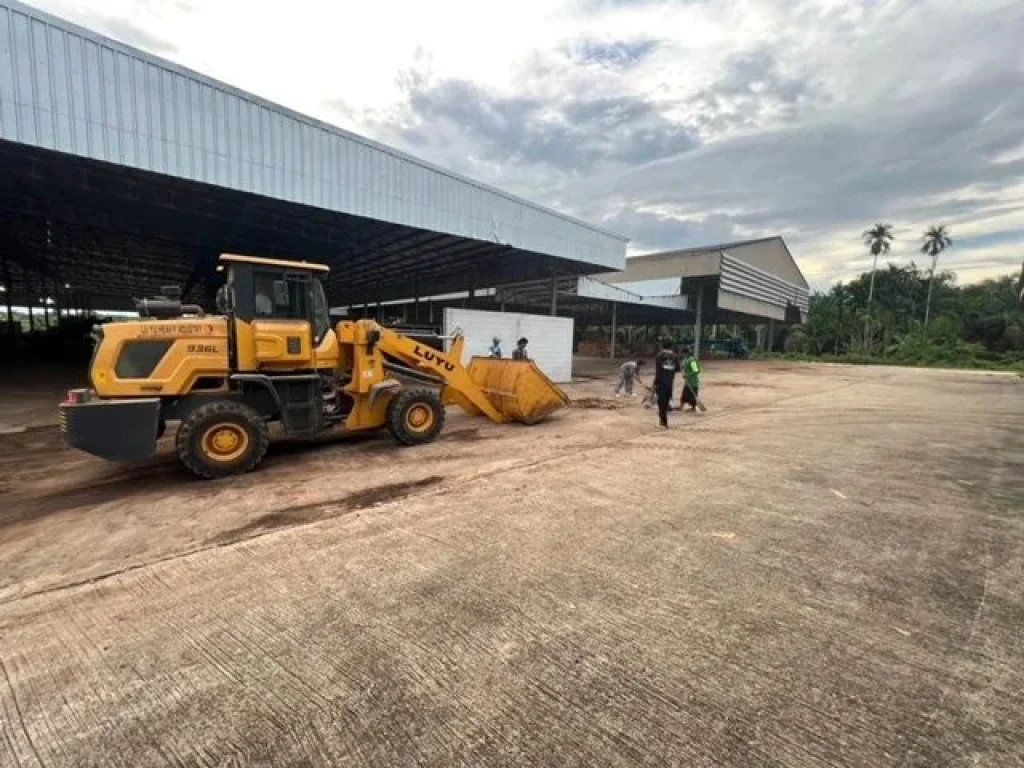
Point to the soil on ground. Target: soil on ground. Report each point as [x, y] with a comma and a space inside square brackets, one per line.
[825, 569]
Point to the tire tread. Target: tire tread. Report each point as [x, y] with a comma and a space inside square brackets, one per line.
[258, 435]
[396, 412]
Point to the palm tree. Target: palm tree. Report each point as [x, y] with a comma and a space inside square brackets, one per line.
[936, 240]
[878, 240]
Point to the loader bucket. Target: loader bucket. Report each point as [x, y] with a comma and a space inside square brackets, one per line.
[517, 389]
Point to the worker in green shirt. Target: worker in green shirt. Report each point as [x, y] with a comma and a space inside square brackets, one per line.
[691, 380]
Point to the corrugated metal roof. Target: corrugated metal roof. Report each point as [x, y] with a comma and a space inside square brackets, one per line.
[744, 245]
[69, 89]
[705, 248]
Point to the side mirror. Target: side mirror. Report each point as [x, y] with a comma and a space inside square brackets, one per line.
[281, 293]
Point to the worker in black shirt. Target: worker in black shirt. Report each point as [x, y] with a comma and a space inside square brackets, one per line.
[666, 364]
[520, 353]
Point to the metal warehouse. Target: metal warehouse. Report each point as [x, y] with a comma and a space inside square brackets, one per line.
[747, 281]
[123, 171]
[750, 282]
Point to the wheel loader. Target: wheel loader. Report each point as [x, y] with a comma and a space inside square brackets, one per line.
[270, 355]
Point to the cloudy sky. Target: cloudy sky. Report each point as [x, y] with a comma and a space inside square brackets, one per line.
[674, 122]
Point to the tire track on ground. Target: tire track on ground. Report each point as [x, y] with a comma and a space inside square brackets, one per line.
[20, 717]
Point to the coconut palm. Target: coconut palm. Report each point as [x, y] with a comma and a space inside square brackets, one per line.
[878, 239]
[936, 240]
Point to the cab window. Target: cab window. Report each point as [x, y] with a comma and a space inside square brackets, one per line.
[321, 315]
[276, 297]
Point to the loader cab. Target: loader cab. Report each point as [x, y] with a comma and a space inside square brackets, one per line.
[279, 315]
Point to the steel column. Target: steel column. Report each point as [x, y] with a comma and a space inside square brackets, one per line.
[8, 290]
[697, 322]
[612, 350]
[46, 303]
[28, 301]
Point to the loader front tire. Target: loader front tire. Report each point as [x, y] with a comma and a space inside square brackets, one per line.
[415, 416]
[222, 438]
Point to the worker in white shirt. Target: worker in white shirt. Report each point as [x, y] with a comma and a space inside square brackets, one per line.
[627, 375]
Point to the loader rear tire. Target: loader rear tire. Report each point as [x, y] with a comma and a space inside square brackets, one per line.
[415, 416]
[222, 438]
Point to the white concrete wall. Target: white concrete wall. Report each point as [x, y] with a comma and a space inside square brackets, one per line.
[550, 337]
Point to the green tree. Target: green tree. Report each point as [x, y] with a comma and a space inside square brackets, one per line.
[935, 241]
[991, 314]
[832, 321]
[978, 324]
[897, 300]
[878, 239]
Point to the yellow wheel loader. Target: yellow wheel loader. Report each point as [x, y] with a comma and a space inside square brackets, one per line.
[270, 355]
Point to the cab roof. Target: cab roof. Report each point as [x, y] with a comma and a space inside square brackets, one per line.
[235, 257]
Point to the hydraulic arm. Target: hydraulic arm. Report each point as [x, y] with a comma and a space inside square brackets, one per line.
[502, 390]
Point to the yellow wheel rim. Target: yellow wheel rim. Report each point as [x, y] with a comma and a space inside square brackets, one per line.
[419, 418]
[225, 442]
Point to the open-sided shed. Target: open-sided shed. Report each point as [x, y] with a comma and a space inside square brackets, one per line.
[748, 281]
[123, 171]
